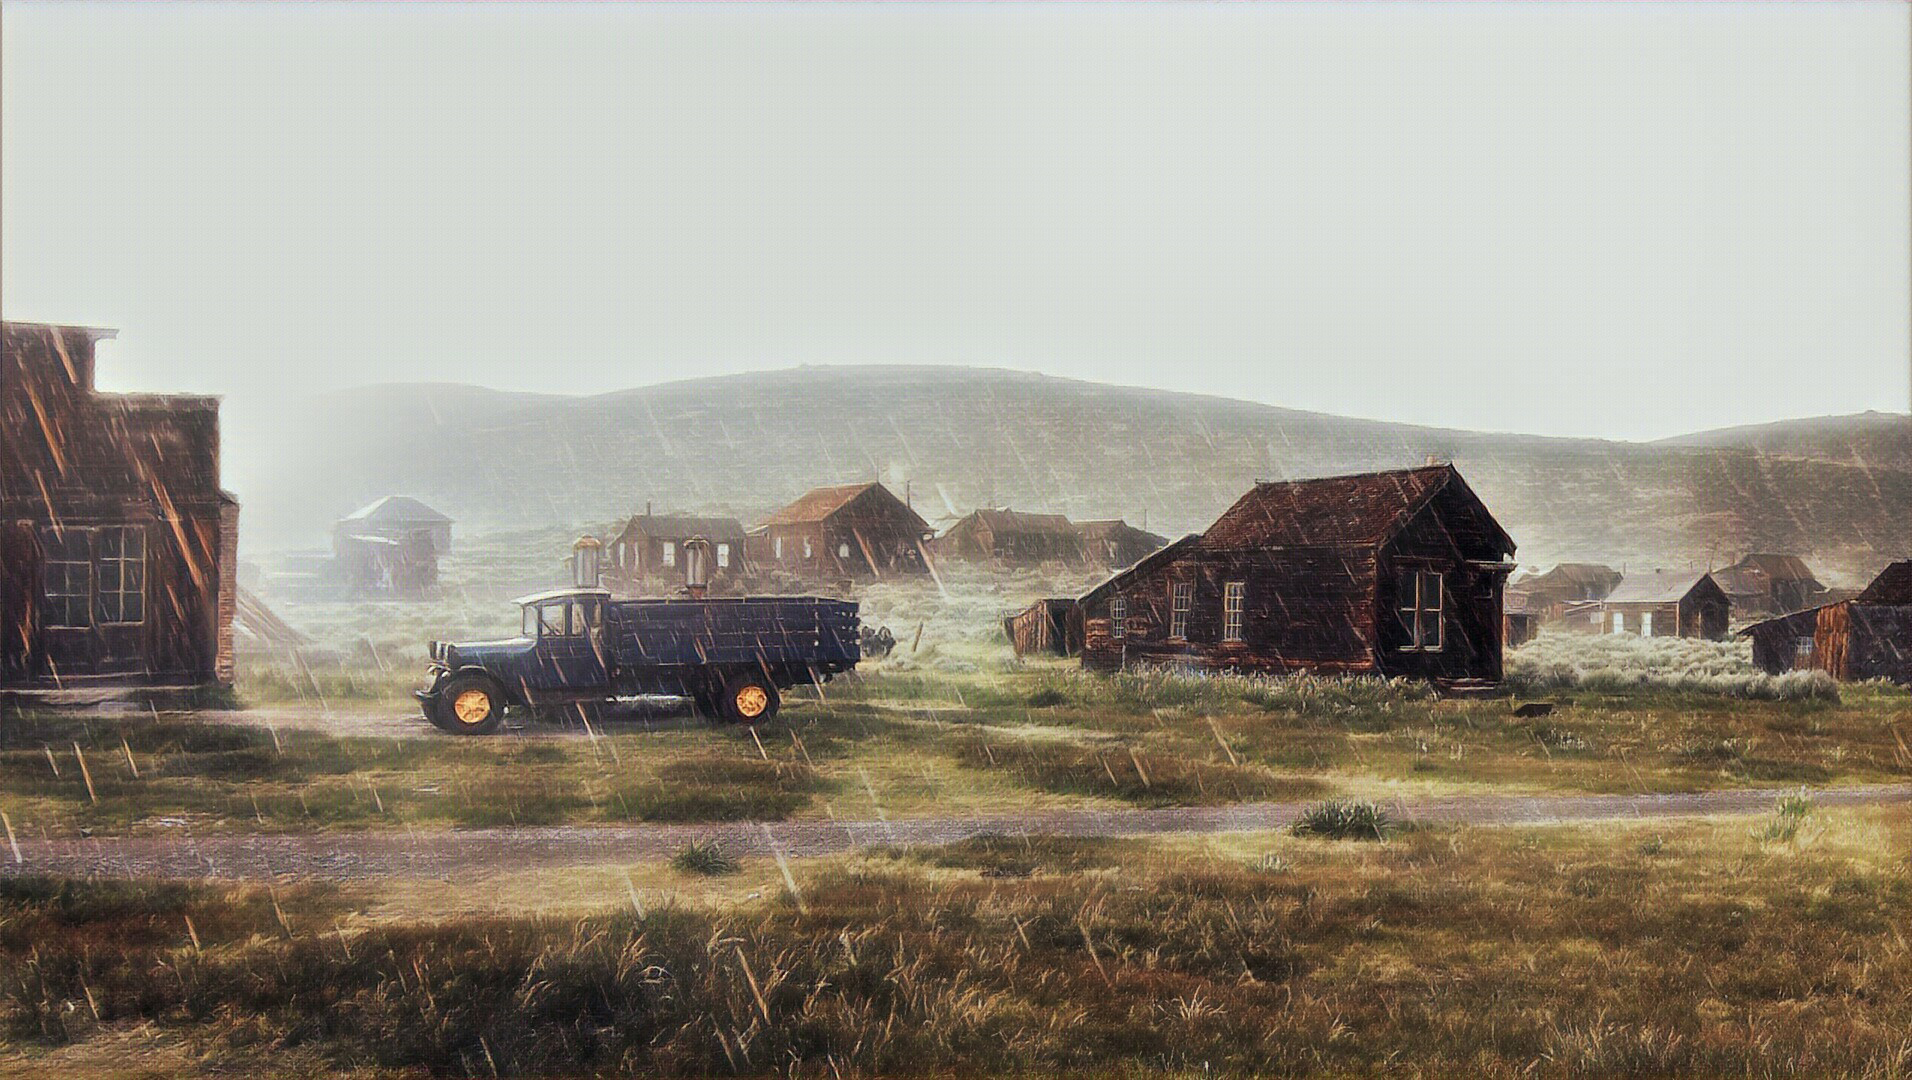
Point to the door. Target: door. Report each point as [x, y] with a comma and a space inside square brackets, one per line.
[570, 655]
[93, 600]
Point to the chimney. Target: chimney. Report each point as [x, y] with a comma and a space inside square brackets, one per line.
[647, 508]
[906, 496]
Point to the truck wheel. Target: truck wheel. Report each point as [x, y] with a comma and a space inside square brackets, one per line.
[750, 698]
[470, 705]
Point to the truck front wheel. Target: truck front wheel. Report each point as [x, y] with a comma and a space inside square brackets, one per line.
[750, 698]
[470, 705]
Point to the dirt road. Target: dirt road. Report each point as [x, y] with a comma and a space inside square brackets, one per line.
[464, 853]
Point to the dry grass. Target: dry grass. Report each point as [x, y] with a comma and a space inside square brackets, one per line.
[1534, 952]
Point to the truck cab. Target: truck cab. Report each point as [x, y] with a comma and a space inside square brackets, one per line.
[581, 648]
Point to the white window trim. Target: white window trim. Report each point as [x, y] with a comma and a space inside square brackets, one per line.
[1119, 616]
[1234, 612]
[1178, 616]
[1415, 607]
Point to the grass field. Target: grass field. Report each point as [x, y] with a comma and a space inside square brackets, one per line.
[1696, 948]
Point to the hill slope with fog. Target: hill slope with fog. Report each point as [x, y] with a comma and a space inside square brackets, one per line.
[1838, 489]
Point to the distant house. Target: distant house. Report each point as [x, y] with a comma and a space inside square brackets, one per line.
[1568, 583]
[1667, 604]
[1052, 626]
[1866, 637]
[1115, 544]
[1519, 620]
[849, 531]
[1766, 584]
[1392, 573]
[118, 550]
[395, 517]
[389, 548]
[1012, 537]
[649, 549]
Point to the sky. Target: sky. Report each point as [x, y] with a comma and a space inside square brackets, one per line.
[1624, 220]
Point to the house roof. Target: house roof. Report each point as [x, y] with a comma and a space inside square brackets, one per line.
[819, 504]
[1577, 573]
[393, 508]
[1152, 560]
[1101, 530]
[1362, 508]
[1015, 521]
[1892, 587]
[1777, 567]
[1656, 587]
[684, 527]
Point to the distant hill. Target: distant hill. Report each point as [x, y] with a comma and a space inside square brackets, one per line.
[1837, 489]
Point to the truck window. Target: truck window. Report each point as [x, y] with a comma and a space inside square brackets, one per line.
[553, 619]
[530, 621]
[577, 620]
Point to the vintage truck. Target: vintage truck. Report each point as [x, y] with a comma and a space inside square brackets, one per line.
[579, 648]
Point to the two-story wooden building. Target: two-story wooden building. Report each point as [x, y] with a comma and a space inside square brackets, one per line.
[118, 549]
[1390, 573]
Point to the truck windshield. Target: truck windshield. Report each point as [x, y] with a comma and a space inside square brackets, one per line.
[554, 619]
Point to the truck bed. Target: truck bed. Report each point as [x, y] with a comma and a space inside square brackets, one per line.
[801, 631]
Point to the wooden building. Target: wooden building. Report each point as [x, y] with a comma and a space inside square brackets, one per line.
[1012, 537]
[1866, 637]
[1663, 603]
[1115, 544]
[1047, 627]
[1391, 573]
[849, 531]
[649, 551]
[395, 517]
[1767, 584]
[118, 550]
[1519, 618]
[1568, 583]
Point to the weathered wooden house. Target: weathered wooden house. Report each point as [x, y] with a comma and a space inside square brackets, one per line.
[1662, 603]
[1768, 584]
[1391, 573]
[1115, 544]
[118, 549]
[1519, 619]
[1866, 637]
[649, 550]
[395, 517]
[849, 531]
[1569, 583]
[1051, 627]
[1012, 537]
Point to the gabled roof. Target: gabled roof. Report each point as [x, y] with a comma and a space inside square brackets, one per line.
[1575, 573]
[1893, 587]
[1015, 521]
[819, 504]
[1657, 587]
[397, 508]
[1148, 562]
[1101, 530]
[683, 527]
[1362, 508]
[1777, 567]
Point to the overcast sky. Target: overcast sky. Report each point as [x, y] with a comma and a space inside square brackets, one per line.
[1618, 220]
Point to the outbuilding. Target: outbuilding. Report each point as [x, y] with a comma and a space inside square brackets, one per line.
[1866, 637]
[847, 531]
[1662, 603]
[1392, 573]
[1013, 538]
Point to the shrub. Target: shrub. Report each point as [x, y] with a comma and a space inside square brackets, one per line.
[1048, 697]
[707, 858]
[1344, 819]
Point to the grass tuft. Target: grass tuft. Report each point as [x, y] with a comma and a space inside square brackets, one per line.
[706, 858]
[1344, 819]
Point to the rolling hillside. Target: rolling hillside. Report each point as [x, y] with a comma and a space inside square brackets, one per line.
[1838, 489]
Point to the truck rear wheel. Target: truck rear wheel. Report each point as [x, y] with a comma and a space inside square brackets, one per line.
[750, 698]
[470, 705]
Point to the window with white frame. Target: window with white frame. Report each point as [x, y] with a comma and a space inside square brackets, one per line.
[1234, 599]
[119, 561]
[67, 578]
[843, 550]
[1181, 600]
[723, 556]
[670, 553]
[808, 551]
[1422, 594]
[1619, 622]
[776, 548]
[1118, 616]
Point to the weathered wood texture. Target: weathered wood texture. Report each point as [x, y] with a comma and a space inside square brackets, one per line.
[1047, 627]
[852, 531]
[648, 552]
[1320, 567]
[118, 545]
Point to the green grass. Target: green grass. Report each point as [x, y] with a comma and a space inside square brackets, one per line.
[1501, 953]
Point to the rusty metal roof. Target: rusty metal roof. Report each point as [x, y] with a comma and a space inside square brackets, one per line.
[1362, 508]
[819, 504]
[1015, 521]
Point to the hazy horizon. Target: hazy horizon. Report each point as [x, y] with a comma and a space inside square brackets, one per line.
[1611, 221]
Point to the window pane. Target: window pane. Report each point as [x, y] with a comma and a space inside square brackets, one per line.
[577, 618]
[133, 607]
[553, 620]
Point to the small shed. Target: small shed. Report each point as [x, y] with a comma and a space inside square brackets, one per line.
[1866, 637]
[1051, 626]
[1392, 573]
[1012, 537]
[1519, 620]
[848, 531]
[395, 517]
[1662, 603]
[649, 549]
[400, 566]
[1769, 584]
[1114, 544]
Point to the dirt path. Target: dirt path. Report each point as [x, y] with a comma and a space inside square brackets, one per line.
[463, 853]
